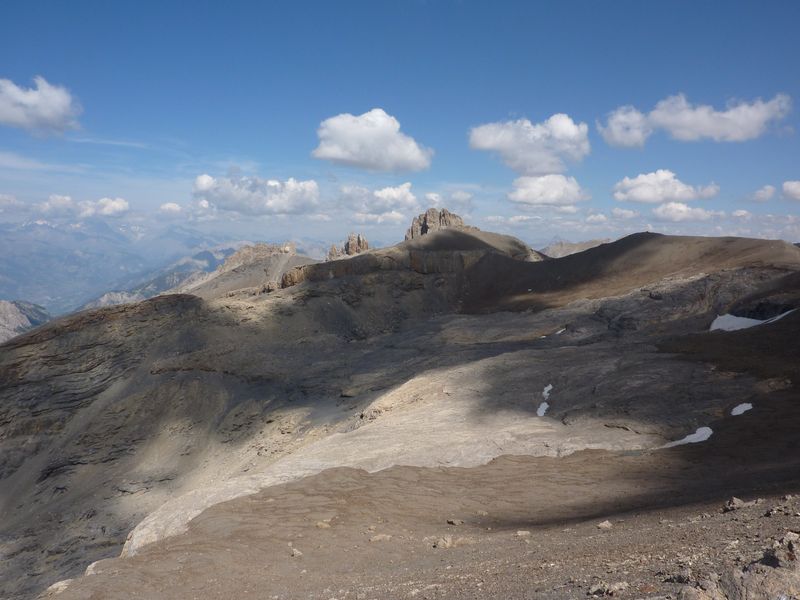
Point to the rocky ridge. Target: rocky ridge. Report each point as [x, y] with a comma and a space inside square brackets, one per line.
[127, 423]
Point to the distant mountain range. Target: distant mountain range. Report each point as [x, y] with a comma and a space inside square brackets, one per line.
[62, 267]
[17, 317]
[181, 272]
[558, 248]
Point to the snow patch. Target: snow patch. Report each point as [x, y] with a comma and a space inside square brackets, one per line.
[734, 323]
[560, 331]
[741, 409]
[542, 410]
[701, 435]
[546, 391]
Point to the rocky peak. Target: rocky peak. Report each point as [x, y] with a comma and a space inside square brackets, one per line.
[354, 244]
[433, 220]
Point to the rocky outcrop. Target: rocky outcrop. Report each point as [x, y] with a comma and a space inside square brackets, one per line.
[775, 575]
[255, 253]
[17, 317]
[354, 244]
[434, 220]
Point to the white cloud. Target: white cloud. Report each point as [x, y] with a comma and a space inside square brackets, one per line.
[679, 212]
[392, 217]
[597, 218]
[738, 122]
[458, 201]
[45, 108]
[626, 126]
[791, 189]
[548, 190]
[742, 214]
[64, 206]
[255, 196]
[107, 207]
[399, 198]
[370, 141]
[660, 186]
[513, 221]
[765, 193]
[58, 206]
[170, 208]
[203, 183]
[624, 213]
[534, 149]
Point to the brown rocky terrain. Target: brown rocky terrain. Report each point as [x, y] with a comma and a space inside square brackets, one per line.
[312, 439]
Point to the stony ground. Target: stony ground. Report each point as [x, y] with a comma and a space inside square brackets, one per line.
[138, 421]
[518, 528]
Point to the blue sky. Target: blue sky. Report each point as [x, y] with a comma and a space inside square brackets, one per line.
[149, 96]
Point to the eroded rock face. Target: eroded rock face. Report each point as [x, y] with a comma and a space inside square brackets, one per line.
[434, 220]
[354, 244]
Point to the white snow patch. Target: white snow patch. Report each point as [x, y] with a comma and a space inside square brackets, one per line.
[734, 323]
[542, 410]
[546, 391]
[560, 331]
[701, 435]
[741, 409]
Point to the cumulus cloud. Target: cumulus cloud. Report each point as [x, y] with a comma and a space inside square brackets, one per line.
[458, 200]
[44, 108]
[625, 126]
[107, 207]
[687, 122]
[534, 149]
[57, 205]
[624, 213]
[678, 212]
[170, 208]
[370, 141]
[548, 190]
[597, 219]
[660, 186]
[791, 189]
[742, 214]
[255, 196]
[385, 205]
[392, 217]
[765, 193]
